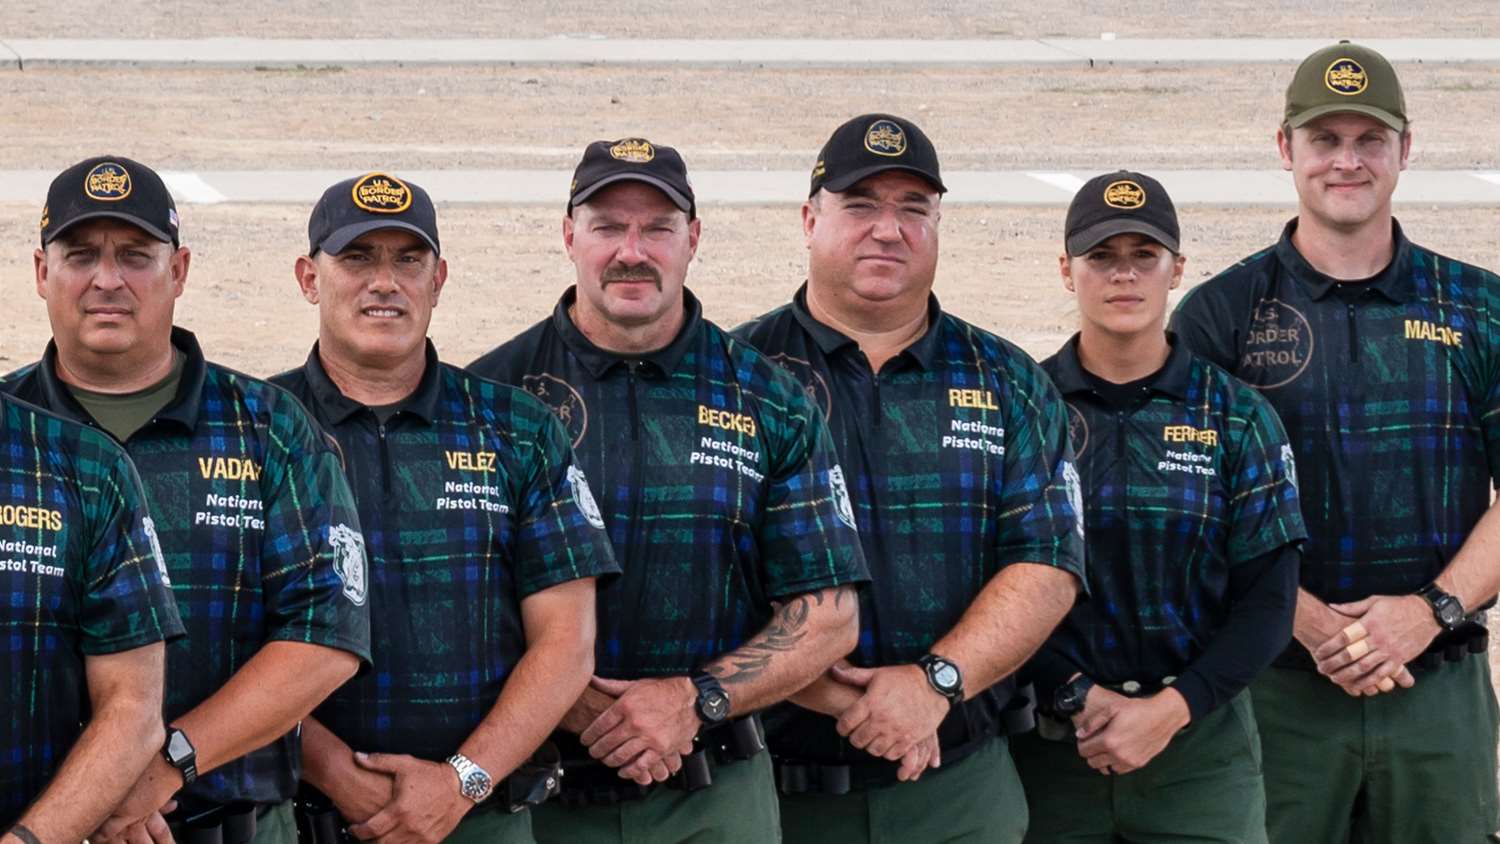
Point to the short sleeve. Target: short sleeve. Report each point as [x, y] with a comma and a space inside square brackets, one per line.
[807, 536]
[126, 596]
[560, 532]
[1264, 510]
[313, 566]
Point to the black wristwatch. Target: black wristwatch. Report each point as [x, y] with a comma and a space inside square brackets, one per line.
[181, 754]
[1448, 610]
[712, 705]
[1069, 698]
[944, 678]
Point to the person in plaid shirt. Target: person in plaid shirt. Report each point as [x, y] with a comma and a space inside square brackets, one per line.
[966, 497]
[1193, 526]
[1383, 359]
[480, 529]
[725, 506]
[256, 522]
[81, 631]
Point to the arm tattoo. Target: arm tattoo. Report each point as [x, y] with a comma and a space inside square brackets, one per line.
[788, 627]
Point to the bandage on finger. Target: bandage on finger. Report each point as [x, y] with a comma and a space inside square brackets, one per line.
[1358, 648]
[1385, 684]
[1355, 632]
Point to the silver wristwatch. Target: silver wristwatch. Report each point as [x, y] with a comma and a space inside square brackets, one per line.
[474, 782]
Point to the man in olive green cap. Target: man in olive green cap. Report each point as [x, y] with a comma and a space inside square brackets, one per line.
[1378, 724]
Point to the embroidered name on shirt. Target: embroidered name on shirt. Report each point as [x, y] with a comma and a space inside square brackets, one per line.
[12, 515]
[1421, 329]
[977, 399]
[743, 423]
[1189, 434]
[471, 461]
[228, 468]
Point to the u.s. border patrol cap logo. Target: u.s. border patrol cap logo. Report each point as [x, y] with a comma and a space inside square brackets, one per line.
[885, 137]
[633, 150]
[380, 193]
[107, 182]
[1124, 194]
[1346, 76]
[46, 217]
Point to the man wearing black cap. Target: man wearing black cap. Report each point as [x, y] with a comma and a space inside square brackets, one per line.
[1192, 523]
[256, 523]
[725, 506]
[482, 536]
[1379, 356]
[967, 502]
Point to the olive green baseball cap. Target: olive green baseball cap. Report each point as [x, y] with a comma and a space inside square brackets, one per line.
[1346, 78]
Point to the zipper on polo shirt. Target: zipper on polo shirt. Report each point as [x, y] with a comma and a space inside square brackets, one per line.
[1353, 333]
[385, 458]
[632, 369]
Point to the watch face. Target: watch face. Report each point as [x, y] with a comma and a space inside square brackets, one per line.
[476, 785]
[1450, 613]
[178, 747]
[715, 706]
[946, 675]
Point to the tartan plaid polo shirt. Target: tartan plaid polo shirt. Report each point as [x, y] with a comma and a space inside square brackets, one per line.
[1390, 393]
[260, 536]
[79, 576]
[470, 501]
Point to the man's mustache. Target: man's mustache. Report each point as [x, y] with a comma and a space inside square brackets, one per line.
[627, 272]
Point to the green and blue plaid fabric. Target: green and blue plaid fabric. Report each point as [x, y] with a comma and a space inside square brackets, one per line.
[1389, 389]
[79, 576]
[715, 478]
[1195, 479]
[260, 534]
[470, 501]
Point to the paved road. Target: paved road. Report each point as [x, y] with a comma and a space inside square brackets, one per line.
[18, 53]
[750, 187]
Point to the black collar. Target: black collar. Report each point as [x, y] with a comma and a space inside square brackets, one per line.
[600, 361]
[1171, 379]
[1394, 282]
[423, 402]
[923, 351]
[182, 409]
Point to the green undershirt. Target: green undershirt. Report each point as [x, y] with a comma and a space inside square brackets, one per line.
[122, 414]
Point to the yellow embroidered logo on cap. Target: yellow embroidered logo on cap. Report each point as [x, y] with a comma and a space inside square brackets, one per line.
[107, 182]
[1345, 76]
[1125, 194]
[819, 170]
[633, 150]
[46, 217]
[379, 193]
[885, 138]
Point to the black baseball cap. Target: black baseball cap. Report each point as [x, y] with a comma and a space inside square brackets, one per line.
[1121, 202]
[370, 203]
[114, 187]
[870, 144]
[632, 160]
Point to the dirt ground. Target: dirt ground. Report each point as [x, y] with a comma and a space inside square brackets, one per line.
[540, 118]
[708, 19]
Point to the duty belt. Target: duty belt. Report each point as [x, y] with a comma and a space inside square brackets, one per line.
[588, 782]
[810, 776]
[223, 823]
[1058, 728]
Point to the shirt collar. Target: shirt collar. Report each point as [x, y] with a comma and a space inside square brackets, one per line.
[182, 409]
[1394, 282]
[423, 402]
[1172, 379]
[600, 361]
[830, 340]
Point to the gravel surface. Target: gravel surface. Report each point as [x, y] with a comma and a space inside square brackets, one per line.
[706, 19]
[540, 118]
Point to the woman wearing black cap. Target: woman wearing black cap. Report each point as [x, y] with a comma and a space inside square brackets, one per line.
[1192, 527]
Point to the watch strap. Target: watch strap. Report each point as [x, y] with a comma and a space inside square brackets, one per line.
[1438, 599]
[707, 685]
[465, 768]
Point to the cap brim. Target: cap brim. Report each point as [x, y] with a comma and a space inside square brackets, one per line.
[1096, 234]
[113, 215]
[342, 237]
[1391, 120]
[672, 193]
[849, 180]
